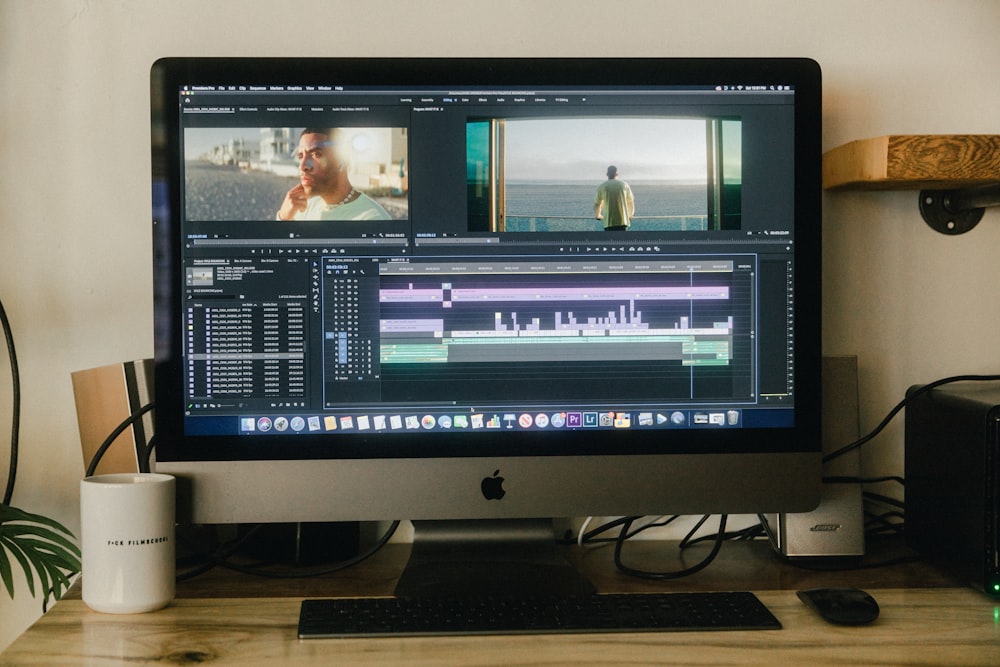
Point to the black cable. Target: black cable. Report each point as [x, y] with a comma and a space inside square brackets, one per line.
[864, 480]
[687, 538]
[880, 524]
[128, 421]
[750, 533]
[642, 574]
[887, 500]
[15, 426]
[652, 524]
[143, 453]
[902, 404]
[742, 535]
[590, 537]
[648, 526]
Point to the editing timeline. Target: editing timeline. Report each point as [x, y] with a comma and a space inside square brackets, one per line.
[389, 334]
[391, 326]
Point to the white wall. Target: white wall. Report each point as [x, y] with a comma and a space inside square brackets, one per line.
[74, 176]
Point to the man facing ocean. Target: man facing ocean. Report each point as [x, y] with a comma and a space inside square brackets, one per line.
[614, 202]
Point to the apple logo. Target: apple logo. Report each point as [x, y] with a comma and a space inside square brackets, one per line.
[493, 487]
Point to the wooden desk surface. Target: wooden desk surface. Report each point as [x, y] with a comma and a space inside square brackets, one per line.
[225, 618]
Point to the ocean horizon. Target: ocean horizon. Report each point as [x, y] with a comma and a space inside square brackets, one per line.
[576, 199]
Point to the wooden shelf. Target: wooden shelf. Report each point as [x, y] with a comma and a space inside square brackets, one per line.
[914, 162]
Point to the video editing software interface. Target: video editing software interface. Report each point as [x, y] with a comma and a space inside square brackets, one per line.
[362, 260]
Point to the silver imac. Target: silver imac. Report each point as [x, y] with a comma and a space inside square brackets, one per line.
[465, 290]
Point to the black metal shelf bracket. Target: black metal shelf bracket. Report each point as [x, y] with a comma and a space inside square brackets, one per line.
[957, 211]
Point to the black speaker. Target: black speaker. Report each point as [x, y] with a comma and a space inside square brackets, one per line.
[952, 470]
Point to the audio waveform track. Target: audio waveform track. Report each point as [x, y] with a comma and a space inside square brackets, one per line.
[600, 323]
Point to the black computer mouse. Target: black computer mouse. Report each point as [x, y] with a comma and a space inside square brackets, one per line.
[842, 606]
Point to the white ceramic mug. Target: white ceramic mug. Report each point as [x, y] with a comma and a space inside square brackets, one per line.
[127, 538]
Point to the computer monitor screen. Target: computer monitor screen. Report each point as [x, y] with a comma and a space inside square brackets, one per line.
[486, 288]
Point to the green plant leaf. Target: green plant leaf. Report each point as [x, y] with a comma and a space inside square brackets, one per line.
[9, 513]
[37, 561]
[53, 542]
[37, 543]
[58, 542]
[25, 567]
[6, 574]
[54, 561]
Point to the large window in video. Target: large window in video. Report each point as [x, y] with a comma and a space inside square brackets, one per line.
[546, 174]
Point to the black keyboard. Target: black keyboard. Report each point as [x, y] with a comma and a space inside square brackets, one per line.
[645, 612]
